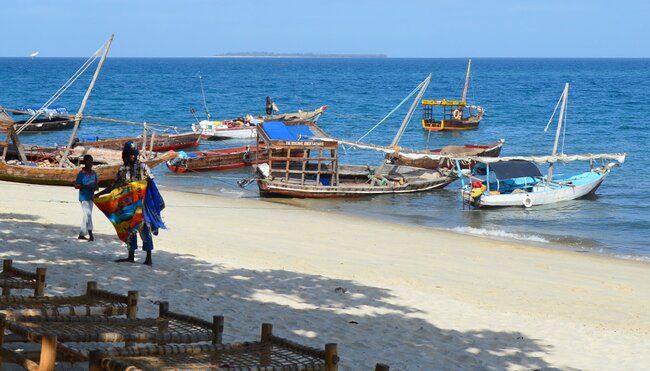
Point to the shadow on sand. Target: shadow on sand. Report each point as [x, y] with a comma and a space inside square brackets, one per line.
[297, 304]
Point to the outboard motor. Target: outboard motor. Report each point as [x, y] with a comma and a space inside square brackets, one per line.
[270, 106]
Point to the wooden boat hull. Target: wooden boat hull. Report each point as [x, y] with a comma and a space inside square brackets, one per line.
[247, 132]
[485, 150]
[415, 180]
[470, 123]
[582, 185]
[161, 142]
[44, 124]
[220, 159]
[209, 131]
[66, 176]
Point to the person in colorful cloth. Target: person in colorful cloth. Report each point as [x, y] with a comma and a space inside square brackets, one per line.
[87, 183]
[133, 170]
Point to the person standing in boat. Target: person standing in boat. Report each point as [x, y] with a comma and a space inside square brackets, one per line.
[87, 183]
[131, 171]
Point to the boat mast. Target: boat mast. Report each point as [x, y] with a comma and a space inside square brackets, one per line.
[565, 95]
[406, 120]
[425, 83]
[205, 103]
[79, 115]
[469, 65]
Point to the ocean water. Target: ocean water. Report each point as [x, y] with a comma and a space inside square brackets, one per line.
[608, 100]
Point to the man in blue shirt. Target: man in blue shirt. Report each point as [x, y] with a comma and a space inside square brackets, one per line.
[87, 183]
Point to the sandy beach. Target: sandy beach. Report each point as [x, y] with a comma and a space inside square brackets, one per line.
[411, 297]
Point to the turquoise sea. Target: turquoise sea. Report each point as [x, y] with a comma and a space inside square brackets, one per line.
[608, 99]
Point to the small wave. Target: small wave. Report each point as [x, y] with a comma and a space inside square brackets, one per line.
[638, 258]
[500, 234]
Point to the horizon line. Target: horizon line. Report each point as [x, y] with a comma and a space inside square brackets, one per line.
[343, 57]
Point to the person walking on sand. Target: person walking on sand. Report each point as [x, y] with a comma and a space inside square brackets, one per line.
[87, 183]
[131, 171]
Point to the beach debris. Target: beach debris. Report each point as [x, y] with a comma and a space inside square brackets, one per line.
[340, 290]
[353, 322]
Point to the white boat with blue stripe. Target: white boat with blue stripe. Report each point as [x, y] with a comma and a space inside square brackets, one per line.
[517, 181]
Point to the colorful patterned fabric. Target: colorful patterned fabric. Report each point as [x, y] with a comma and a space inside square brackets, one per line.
[123, 207]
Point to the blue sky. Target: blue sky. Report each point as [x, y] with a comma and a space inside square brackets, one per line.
[409, 28]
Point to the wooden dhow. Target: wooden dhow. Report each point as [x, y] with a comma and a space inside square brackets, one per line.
[217, 159]
[410, 158]
[57, 167]
[246, 127]
[453, 115]
[51, 119]
[155, 142]
[42, 165]
[311, 168]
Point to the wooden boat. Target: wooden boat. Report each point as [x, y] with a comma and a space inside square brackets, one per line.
[311, 168]
[157, 142]
[43, 167]
[218, 159]
[46, 120]
[57, 167]
[428, 162]
[517, 181]
[221, 159]
[454, 115]
[245, 128]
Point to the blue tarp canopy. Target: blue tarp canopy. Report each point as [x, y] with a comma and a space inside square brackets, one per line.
[514, 169]
[278, 130]
[47, 111]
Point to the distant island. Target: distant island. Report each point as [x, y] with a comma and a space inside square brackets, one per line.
[294, 55]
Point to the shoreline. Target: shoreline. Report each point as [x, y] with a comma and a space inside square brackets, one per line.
[414, 298]
[508, 237]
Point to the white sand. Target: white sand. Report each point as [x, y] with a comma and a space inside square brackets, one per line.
[415, 298]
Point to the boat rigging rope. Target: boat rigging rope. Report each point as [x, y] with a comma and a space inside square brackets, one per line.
[553, 114]
[62, 89]
[417, 88]
[566, 110]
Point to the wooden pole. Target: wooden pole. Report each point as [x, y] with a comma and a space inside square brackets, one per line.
[3, 318]
[265, 353]
[95, 360]
[153, 138]
[305, 159]
[469, 65]
[217, 329]
[144, 141]
[11, 132]
[6, 268]
[163, 308]
[90, 287]
[48, 353]
[132, 305]
[79, 114]
[565, 96]
[320, 158]
[40, 282]
[331, 357]
[267, 331]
